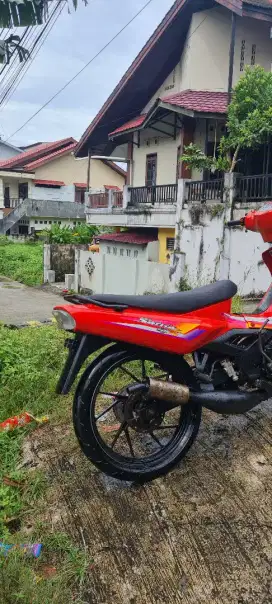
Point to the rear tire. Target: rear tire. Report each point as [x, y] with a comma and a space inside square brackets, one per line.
[135, 469]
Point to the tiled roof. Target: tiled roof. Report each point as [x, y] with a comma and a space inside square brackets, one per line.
[260, 3]
[34, 153]
[137, 121]
[113, 187]
[201, 101]
[49, 157]
[128, 237]
[80, 185]
[54, 183]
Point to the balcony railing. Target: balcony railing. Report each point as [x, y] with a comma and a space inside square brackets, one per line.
[118, 199]
[98, 200]
[162, 194]
[12, 202]
[254, 188]
[202, 190]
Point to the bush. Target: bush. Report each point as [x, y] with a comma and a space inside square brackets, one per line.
[82, 233]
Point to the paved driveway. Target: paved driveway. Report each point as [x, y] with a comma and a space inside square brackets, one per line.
[20, 304]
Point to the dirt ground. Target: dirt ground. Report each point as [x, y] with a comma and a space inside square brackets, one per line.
[20, 304]
[200, 535]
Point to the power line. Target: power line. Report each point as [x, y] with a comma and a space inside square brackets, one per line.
[82, 69]
[21, 71]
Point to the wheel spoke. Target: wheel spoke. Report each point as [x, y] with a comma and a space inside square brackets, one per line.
[129, 441]
[114, 394]
[106, 410]
[122, 427]
[130, 374]
[156, 439]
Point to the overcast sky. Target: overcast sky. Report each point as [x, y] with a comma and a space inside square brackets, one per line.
[75, 38]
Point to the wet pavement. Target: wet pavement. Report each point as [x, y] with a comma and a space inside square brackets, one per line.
[201, 535]
[20, 304]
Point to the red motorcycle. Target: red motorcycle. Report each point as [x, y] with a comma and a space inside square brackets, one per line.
[137, 406]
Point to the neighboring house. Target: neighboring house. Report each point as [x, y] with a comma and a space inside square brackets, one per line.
[32, 182]
[7, 150]
[176, 92]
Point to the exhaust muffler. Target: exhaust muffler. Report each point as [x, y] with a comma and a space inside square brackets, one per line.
[172, 392]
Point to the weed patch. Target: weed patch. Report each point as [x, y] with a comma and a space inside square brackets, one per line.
[22, 262]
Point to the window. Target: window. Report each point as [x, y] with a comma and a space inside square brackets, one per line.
[36, 221]
[136, 253]
[128, 253]
[253, 54]
[80, 194]
[170, 243]
[242, 56]
[108, 249]
[45, 222]
[41, 221]
[121, 252]
[50, 221]
[151, 170]
[114, 251]
[59, 221]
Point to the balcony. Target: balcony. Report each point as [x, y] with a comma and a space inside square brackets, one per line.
[134, 206]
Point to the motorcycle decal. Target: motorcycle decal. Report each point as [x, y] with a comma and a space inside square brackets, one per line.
[169, 330]
[250, 322]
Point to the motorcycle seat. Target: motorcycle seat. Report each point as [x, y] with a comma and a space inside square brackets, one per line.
[172, 303]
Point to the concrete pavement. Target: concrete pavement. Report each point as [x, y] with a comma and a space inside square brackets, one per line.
[20, 304]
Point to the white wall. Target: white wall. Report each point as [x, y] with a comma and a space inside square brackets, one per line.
[117, 275]
[65, 193]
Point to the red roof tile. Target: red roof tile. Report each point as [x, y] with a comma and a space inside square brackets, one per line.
[137, 121]
[49, 157]
[199, 100]
[113, 187]
[54, 183]
[128, 237]
[35, 153]
[80, 185]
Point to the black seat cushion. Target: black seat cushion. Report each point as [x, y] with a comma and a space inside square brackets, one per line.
[174, 303]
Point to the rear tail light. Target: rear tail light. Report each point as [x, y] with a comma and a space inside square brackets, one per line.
[64, 320]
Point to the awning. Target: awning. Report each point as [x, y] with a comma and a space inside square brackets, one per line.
[80, 185]
[49, 183]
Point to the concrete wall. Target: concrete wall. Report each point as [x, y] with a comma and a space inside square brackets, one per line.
[206, 256]
[149, 252]
[110, 274]
[70, 170]
[66, 193]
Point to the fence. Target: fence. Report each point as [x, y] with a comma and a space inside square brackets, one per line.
[254, 188]
[157, 194]
[210, 190]
[98, 200]
[118, 199]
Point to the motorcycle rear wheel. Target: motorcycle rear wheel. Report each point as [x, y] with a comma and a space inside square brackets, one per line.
[133, 424]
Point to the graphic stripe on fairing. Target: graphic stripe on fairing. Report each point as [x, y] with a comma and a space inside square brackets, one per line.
[189, 336]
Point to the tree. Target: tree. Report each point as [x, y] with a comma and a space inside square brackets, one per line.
[249, 123]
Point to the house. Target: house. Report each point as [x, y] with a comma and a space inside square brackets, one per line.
[176, 92]
[7, 150]
[141, 244]
[34, 180]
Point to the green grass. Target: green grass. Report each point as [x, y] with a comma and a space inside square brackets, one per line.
[22, 262]
[30, 362]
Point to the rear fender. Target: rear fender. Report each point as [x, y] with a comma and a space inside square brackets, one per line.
[79, 350]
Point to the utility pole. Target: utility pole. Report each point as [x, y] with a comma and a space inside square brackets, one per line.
[231, 54]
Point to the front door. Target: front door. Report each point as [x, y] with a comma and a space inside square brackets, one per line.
[151, 170]
[6, 197]
[23, 190]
